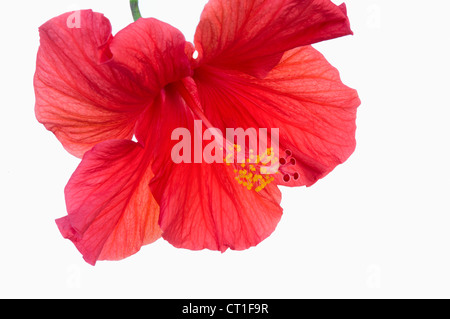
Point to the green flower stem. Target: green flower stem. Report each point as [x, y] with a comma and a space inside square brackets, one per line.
[134, 4]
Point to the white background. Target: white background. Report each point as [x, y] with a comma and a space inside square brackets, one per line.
[378, 226]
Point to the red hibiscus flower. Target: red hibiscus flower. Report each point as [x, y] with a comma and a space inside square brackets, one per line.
[255, 69]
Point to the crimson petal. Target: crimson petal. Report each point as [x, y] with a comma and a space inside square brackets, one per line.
[91, 87]
[303, 97]
[111, 210]
[252, 35]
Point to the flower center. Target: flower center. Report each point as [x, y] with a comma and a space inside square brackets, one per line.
[253, 171]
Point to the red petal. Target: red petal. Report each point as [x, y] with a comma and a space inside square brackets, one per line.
[154, 51]
[84, 100]
[202, 205]
[252, 35]
[303, 97]
[111, 210]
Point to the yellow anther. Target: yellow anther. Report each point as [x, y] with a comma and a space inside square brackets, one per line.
[255, 176]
